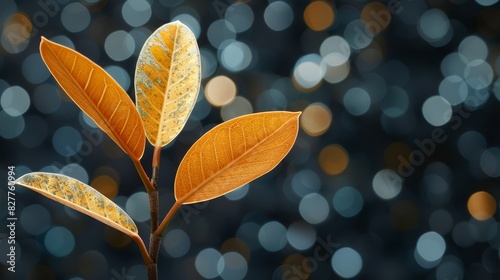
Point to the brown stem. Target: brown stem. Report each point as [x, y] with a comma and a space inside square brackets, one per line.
[168, 218]
[144, 251]
[144, 177]
[152, 270]
[172, 211]
[156, 157]
[154, 240]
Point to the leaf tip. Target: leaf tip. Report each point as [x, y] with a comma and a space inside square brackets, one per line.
[43, 41]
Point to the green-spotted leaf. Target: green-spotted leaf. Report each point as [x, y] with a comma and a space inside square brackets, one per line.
[167, 81]
[81, 197]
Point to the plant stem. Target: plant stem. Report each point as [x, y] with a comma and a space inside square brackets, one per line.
[144, 177]
[168, 218]
[154, 240]
[144, 251]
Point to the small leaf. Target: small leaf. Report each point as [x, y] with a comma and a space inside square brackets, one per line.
[81, 197]
[97, 94]
[233, 154]
[167, 81]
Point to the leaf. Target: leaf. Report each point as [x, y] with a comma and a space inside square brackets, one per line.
[235, 153]
[81, 197]
[167, 81]
[97, 94]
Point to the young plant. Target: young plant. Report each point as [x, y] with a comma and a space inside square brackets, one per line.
[167, 81]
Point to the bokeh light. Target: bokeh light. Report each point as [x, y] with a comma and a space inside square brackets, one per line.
[437, 110]
[319, 15]
[67, 141]
[176, 242]
[271, 100]
[301, 235]
[486, 2]
[16, 31]
[220, 91]
[232, 265]
[220, 31]
[314, 208]
[358, 35]
[235, 56]
[15, 101]
[278, 15]
[337, 46]
[75, 17]
[238, 107]
[357, 101]
[76, 171]
[387, 184]
[190, 21]
[34, 70]
[238, 193]
[138, 206]
[430, 249]
[305, 181]
[490, 162]
[106, 185]
[450, 268]
[240, 15]
[316, 119]
[472, 48]
[208, 62]
[434, 27]
[348, 202]
[207, 262]
[59, 241]
[136, 12]
[481, 205]
[454, 89]
[308, 72]
[46, 98]
[119, 45]
[120, 75]
[376, 17]
[333, 159]
[272, 236]
[347, 262]
[35, 219]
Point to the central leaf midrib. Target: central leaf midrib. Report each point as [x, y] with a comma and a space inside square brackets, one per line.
[159, 137]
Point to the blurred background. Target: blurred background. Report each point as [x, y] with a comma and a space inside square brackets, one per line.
[394, 174]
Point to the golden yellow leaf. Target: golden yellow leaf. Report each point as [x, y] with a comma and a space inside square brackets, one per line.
[235, 153]
[81, 197]
[97, 94]
[167, 81]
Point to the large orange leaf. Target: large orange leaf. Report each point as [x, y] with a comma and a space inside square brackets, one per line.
[81, 197]
[167, 81]
[97, 94]
[233, 154]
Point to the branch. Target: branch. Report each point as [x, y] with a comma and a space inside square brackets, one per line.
[168, 218]
[144, 177]
[144, 250]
